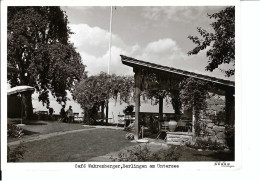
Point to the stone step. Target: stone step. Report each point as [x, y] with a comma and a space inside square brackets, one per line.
[174, 139]
[179, 133]
[174, 143]
[177, 136]
[178, 139]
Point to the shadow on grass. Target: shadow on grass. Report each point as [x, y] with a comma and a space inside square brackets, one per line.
[219, 156]
[27, 132]
[34, 123]
[99, 123]
[27, 122]
[207, 155]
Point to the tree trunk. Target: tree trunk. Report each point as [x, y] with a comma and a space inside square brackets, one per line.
[102, 112]
[193, 124]
[138, 80]
[27, 109]
[86, 116]
[160, 108]
[176, 104]
[107, 113]
[230, 106]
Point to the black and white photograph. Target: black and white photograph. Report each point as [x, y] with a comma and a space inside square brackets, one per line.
[121, 84]
[95, 86]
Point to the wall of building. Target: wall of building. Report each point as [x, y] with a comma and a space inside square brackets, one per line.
[14, 106]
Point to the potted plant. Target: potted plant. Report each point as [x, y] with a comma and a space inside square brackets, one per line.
[128, 109]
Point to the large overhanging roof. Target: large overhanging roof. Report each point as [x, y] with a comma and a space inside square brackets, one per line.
[142, 64]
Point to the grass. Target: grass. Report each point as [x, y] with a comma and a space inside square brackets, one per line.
[76, 147]
[82, 146]
[35, 128]
[206, 155]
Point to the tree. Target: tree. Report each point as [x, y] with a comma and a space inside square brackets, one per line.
[39, 48]
[222, 41]
[95, 91]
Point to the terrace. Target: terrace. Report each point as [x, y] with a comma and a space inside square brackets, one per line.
[169, 78]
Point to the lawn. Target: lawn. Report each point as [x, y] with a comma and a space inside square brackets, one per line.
[76, 147]
[92, 143]
[35, 127]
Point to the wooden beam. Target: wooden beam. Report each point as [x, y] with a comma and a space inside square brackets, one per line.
[176, 103]
[138, 80]
[160, 108]
[177, 72]
[230, 106]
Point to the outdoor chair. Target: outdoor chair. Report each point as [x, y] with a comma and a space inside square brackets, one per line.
[129, 119]
[121, 119]
[78, 119]
[183, 126]
[164, 128]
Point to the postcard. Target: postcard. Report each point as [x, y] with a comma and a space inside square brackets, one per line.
[120, 86]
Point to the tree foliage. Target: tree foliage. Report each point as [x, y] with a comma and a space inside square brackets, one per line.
[161, 86]
[93, 91]
[221, 42]
[39, 48]
[193, 95]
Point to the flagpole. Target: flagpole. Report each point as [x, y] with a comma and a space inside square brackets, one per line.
[110, 38]
[109, 60]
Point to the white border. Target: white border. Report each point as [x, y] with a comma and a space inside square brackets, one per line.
[121, 2]
[192, 166]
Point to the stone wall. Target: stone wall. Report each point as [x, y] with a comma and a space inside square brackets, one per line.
[214, 130]
[211, 130]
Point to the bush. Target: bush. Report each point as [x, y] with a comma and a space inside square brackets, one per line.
[14, 131]
[230, 136]
[206, 144]
[141, 154]
[16, 154]
[129, 136]
[128, 109]
[173, 153]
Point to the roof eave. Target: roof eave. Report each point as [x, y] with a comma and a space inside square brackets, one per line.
[134, 62]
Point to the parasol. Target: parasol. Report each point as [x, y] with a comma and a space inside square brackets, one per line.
[19, 89]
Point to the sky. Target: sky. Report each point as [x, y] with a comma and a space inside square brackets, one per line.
[155, 34]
